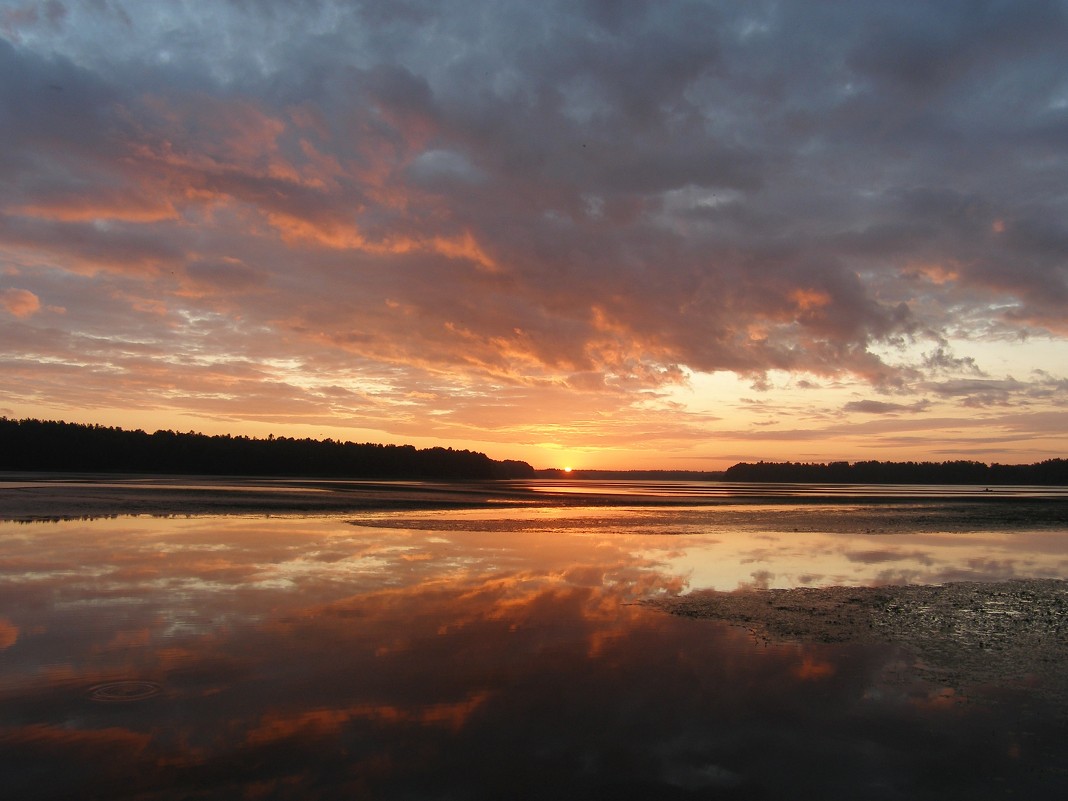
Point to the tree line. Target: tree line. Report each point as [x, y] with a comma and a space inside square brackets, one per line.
[1049, 472]
[46, 445]
[53, 446]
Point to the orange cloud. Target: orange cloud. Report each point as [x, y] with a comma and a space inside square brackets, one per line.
[935, 272]
[323, 722]
[131, 743]
[812, 669]
[808, 299]
[20, 302]
[9, 633]
[207, 131]
[463, 247]
[297, 229]
[125, 206]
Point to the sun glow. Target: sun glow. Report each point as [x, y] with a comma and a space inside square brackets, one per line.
[567, 469]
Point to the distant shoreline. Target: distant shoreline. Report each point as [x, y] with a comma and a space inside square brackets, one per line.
[57, 446]
[36, 496]
[1051, 472]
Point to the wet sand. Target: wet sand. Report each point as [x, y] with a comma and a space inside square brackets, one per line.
[54, 496]
[29, 498]
[969, 636]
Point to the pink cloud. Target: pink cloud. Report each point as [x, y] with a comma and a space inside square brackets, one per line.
[20, 302]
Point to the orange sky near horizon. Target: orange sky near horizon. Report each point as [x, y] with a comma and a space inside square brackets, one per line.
[655, 236]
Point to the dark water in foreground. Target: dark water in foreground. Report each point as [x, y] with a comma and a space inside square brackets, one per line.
[495, 653]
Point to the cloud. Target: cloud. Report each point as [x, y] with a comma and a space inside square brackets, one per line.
[942, 360]
[228, 276]
[978, 392]
[882, 407]
[19, 302]
[877, 556]
[9, 633]
[441, 167]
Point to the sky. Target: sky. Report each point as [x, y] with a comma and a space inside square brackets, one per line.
[597, 234]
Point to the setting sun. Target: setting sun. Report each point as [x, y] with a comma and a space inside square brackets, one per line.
[567, 469]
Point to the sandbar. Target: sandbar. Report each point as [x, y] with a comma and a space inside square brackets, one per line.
[964, 635]
[73, 497]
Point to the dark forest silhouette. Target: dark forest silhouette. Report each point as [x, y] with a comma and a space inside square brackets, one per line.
[1049, 472]
[37, 445]
[52, 446]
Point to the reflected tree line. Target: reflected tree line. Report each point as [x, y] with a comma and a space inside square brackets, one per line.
[40, 445]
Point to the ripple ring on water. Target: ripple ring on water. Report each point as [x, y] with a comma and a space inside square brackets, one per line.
[124, 691]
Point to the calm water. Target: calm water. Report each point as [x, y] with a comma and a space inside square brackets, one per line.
[498, 653]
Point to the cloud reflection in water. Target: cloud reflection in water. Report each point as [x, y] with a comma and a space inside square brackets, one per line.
[307, 658]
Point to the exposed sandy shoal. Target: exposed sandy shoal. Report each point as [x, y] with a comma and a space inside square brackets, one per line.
[51, 496]
[110, 497]
[963, 635]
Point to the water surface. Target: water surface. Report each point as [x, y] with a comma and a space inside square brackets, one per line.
[488, 653]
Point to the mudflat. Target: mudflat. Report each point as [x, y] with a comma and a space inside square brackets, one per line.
[72, 497]
[871, 509]
[964, 635]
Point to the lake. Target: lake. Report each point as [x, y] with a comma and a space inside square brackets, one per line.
[511, 646]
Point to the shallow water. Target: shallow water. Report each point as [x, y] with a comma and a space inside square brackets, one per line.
[491, 653]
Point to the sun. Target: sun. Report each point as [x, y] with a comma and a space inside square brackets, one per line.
[567, 469]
